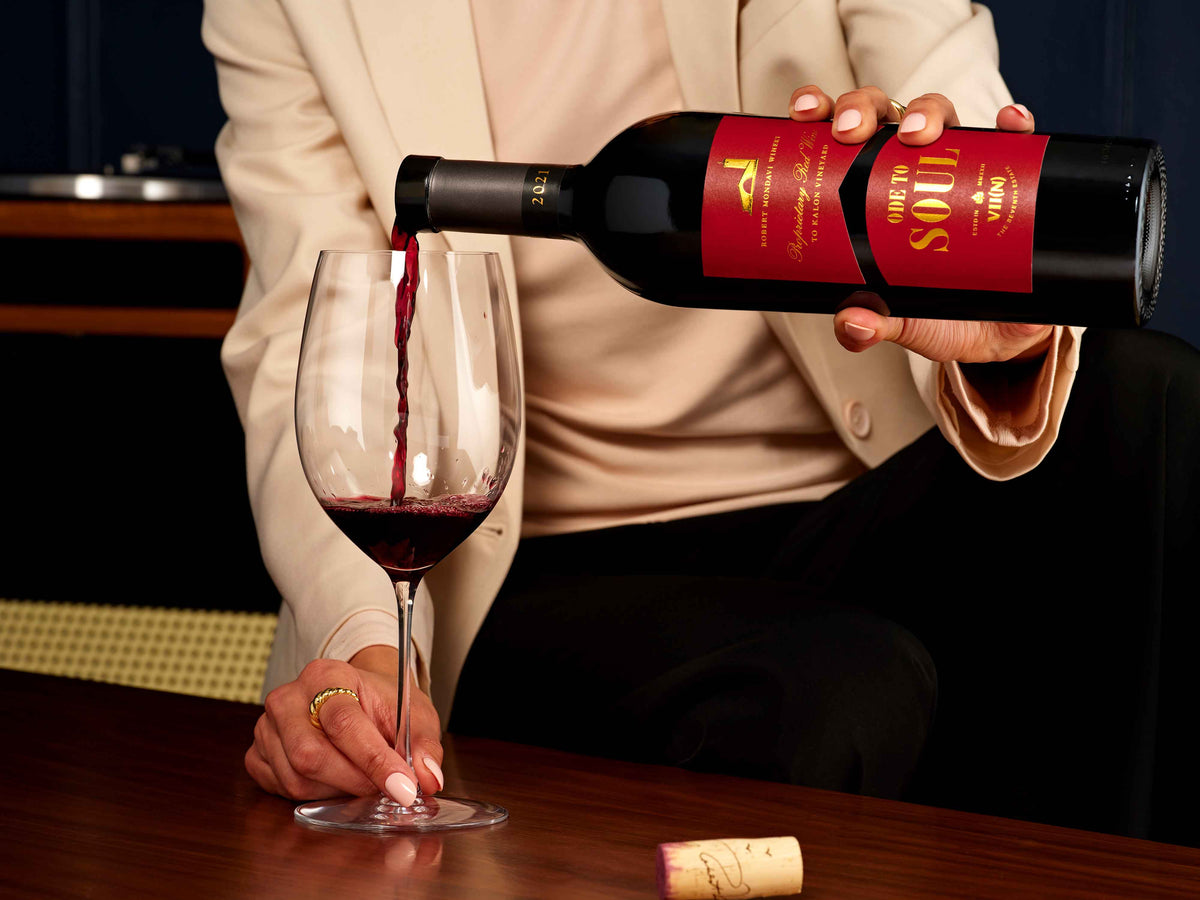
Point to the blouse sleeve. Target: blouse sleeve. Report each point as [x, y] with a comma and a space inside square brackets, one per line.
[1002, 417]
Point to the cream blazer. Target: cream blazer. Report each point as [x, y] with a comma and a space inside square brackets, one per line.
[325, 97]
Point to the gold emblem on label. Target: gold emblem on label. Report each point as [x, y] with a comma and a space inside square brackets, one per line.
[749, 169]
[977, 196]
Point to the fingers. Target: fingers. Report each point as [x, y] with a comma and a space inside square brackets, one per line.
[425, 743]
[1015, 117]
[260, 770]
[268, 764]
[1026, 340]
[303, 757]
[352, 733]
[352, 752]
[425, 738]
[943, 340]
[859, 329]
[810, 104]
[857, 114]
[926, 117]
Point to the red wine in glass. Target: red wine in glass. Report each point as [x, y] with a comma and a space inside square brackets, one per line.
[407, 535]
[353, 407]
[411, 535]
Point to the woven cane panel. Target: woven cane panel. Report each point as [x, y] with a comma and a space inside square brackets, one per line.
[188, 651]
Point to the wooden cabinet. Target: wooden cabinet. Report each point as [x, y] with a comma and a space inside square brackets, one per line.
[100, 220]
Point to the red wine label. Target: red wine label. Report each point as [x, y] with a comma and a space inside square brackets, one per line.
[957, 213]
[771, 204]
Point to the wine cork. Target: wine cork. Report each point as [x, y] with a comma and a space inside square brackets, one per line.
[730, 867]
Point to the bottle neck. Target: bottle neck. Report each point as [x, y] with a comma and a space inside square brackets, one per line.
[435, 194]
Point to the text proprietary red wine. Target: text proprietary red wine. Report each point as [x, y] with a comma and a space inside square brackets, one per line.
[743, 212]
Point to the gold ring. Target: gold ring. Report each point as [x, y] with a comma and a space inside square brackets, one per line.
[315, 707]
[898, 108]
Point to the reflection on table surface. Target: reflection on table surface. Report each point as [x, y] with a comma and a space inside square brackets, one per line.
[121, 792]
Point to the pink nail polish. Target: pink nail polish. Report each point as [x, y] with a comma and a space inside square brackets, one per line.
[858, 332]
[912, 122]
[806, 102]
[1023, 110]
[436, 770]
[849, 120]
[400, 788]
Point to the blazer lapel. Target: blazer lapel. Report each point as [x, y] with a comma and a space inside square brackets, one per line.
[424, 64]
[422, 60]
[703, 39]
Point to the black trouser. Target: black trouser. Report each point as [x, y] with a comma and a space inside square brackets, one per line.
[1023, 648]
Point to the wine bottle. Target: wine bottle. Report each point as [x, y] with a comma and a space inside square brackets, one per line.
[744, 212]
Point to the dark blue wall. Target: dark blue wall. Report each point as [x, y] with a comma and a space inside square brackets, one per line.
[33, 72]
[86, 79]
[1126, 67]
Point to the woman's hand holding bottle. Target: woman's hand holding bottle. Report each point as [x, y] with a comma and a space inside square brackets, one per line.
[856, 115]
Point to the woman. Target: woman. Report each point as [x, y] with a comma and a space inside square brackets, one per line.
[788, 440]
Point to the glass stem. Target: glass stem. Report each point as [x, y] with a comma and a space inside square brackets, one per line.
[406, 593]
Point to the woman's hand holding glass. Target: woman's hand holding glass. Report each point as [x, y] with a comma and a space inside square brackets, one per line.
[351, 753]
[407, 419]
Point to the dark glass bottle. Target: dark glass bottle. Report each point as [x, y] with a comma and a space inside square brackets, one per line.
[675, 218]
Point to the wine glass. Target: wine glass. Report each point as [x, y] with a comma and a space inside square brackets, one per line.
[407, 417]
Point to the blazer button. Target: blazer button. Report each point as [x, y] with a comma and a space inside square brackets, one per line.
[858, 420]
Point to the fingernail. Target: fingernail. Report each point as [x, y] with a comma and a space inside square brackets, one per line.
[858, 332]
[400, 788]
[806, 101]
[437, 772]
[1023, 110]
[912, 122]
[849, 120]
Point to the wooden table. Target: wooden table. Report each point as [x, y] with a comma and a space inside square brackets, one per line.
[119, 792]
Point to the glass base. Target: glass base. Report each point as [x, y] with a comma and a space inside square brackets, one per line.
[383, 815]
